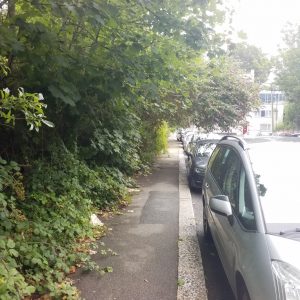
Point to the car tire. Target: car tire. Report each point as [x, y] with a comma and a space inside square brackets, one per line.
[243, 293]
[206, 229]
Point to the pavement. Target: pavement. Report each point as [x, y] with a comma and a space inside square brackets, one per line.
[158, 254]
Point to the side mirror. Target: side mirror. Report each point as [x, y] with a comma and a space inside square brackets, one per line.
[220, 204]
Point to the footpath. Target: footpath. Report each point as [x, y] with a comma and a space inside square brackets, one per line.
[155, 240]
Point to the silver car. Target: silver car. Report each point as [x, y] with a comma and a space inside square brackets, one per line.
[251, 209]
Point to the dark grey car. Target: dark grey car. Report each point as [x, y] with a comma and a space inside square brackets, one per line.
[252, 211]
[197, 161]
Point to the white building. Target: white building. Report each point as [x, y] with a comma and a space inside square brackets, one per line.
[264, 120]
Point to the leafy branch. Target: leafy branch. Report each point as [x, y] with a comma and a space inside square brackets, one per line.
[29, 104]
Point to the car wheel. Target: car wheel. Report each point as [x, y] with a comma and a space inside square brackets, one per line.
[243, 293]
[206, 229]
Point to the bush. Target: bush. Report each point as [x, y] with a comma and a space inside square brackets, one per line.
[154, 141]
[44, 225]
[162, 134]
[39, 234]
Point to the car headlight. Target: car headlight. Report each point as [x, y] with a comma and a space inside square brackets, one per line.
[287, 280]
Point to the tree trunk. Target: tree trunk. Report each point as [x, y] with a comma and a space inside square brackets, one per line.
[11, 11]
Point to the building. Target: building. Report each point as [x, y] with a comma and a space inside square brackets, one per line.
[264, 120]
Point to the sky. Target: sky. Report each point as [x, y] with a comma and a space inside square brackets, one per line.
[263, 20]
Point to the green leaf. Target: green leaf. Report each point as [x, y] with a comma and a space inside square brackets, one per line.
[3, 288]
[36, 260]
[57, 93]
[13, 253]
[2, 161]
[10, 244]
[2, 244]
[29, 290]
[108, 269]
[48, 123]
[180, 282]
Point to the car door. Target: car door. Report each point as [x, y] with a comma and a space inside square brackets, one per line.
[241, 246]
[235, 232]
[226, 228]
[212, 186]
[191, 157]
[226, 175]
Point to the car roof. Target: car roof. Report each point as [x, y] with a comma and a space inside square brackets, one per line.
[205, 141]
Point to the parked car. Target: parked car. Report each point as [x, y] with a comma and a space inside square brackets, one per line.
[192, 142]
[186, 139]
[198, 156]
[179, 134]
[251, 209]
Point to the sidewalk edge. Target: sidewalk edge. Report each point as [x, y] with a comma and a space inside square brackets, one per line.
[191, 280]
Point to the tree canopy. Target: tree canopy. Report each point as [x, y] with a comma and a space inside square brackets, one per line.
[288, 75]
[224, 91]
[251, 58]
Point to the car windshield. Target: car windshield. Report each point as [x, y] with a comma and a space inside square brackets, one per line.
[205, 150]
[276, 164]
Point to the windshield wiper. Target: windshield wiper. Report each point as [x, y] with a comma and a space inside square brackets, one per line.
[289, 231]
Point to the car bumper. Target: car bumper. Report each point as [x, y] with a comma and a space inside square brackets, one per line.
[196, 179]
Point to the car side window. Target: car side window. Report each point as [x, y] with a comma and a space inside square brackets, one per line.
[245, 207]
[230, 185]
[216, 166]
[231, 177]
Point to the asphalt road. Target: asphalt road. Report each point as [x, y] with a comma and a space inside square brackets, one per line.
[216, 281]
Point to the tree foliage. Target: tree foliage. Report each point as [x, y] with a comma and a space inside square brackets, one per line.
[251, 58]
[225, 91]
[288, 75]
[27, 106]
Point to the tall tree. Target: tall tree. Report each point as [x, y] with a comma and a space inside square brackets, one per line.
[94, 55]
[223, 91]
[251, 58]
[288, 74]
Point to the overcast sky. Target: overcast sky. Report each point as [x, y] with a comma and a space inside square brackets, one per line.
[263, 20]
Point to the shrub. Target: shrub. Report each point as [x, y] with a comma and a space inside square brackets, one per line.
[44, 225]
[162, 134]
[39, 235]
